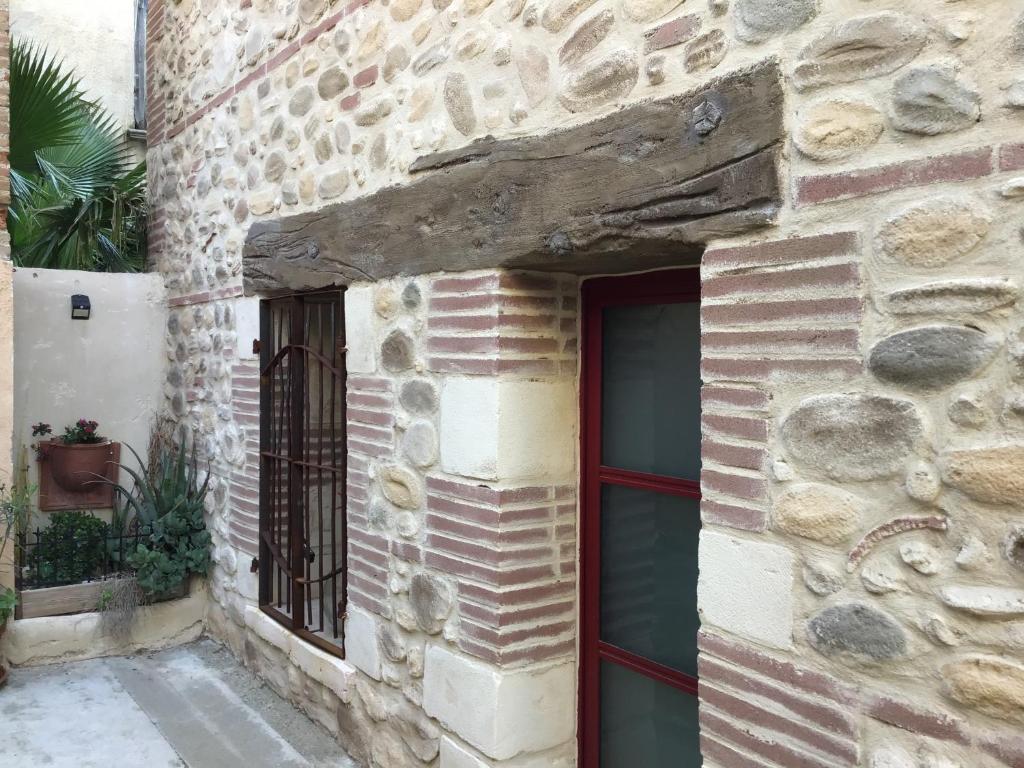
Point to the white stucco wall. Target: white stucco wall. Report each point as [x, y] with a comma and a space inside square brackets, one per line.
[110, 367]
[95, 37]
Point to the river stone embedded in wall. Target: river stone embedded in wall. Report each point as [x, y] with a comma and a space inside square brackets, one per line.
[407, 524]
[935, 232]
[880, 578]
[419, 396]
[984, 601]
[969, 295]
[331, 82]
[654, 69]
[857, 629]
[311, 10]
[391, 643]
[474, 7]
[431, 599]
[374, 112]
[853, 436]
[434, 56]
[648, 10]
[931, 100]
[420, 444]
[401, 487]
[604, 80]
[972, 555]
[532, 65]
[395, 61]
[459, 103]
[333, 185]
[301, 101]
[759, 20]
[323, 150]
[275, 167]
[705, 51]
[920, 557]
[817, 512]
[403, 10]
[586, 37]
[994, 475]
[923, 483]
[858, 49]
[1013, 546]
[1017, 37]
[822, 579]
[411, 296]
[472, 43]
[372, 41]
[396, 352]
[932, 357]
[559, 13]
[837, 129]
[988, 684]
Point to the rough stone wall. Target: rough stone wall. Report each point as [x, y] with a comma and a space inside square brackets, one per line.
[860, 568]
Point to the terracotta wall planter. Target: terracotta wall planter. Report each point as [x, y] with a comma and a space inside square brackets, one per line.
[78, 468]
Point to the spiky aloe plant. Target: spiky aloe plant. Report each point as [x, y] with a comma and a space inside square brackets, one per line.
[78, 200]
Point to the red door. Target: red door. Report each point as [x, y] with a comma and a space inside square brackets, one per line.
[640, 521]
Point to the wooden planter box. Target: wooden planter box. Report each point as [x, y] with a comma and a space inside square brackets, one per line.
[75, 598]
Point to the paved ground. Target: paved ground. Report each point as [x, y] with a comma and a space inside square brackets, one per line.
[192, 706]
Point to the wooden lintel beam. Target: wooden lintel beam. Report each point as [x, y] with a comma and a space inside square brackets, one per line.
[645, 186]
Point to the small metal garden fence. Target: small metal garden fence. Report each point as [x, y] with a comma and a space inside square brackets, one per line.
[48, 558]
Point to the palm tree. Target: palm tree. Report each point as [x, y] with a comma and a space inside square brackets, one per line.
[78, 200]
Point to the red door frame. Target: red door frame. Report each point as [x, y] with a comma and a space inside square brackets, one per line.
[666, 287]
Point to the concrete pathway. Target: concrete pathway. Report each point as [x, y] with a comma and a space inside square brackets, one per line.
[192, 706]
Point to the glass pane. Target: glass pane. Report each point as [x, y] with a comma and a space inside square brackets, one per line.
[651, 389]
[649, 575]
[645, 723]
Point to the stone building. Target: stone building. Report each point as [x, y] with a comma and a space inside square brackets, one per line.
[680, 341]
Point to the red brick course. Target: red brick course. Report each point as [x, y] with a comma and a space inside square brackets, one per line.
[508, 550]
[672, 33]
[956, 166]
[513, 323]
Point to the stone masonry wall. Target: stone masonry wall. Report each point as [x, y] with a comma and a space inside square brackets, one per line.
[861, 568]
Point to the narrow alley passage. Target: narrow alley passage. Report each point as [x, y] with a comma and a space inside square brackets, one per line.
[191, 706]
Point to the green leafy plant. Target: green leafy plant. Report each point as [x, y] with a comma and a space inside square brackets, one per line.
[82, 432]
[8, 602]
[78, 199]
[168, 501]
[15, 506]
[71, 549]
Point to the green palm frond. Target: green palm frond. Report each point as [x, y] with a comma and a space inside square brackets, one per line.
[78, 200]
[45, 108]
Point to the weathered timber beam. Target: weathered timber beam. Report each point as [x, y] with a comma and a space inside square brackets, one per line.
[643, 187]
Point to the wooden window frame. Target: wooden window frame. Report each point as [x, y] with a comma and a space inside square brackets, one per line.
[662, 287]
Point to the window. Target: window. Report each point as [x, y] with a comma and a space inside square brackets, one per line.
[303, 465]
[640, 521]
